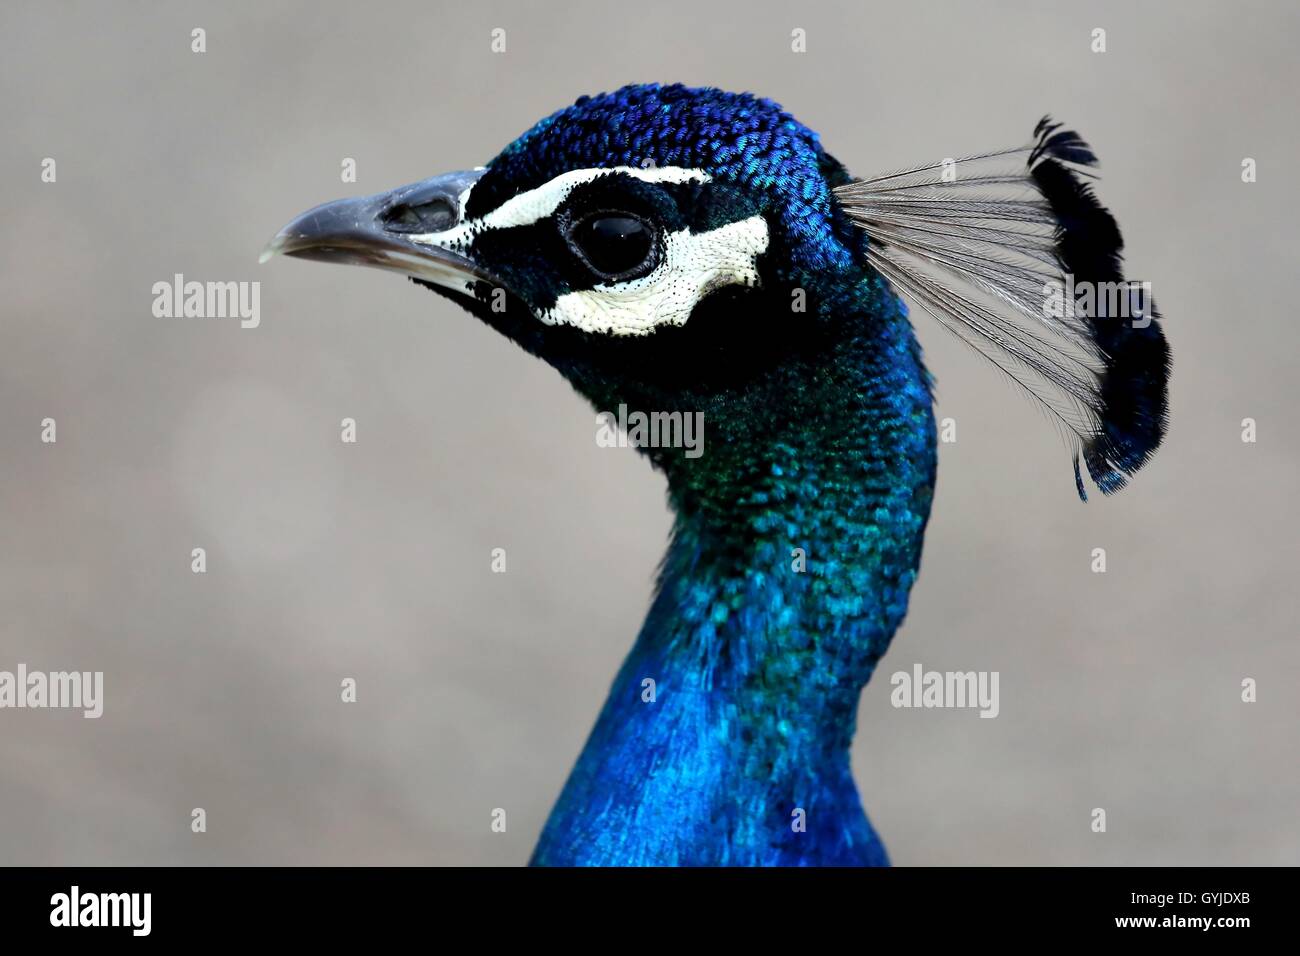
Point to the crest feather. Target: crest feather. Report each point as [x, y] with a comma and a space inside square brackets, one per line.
[1011, 252]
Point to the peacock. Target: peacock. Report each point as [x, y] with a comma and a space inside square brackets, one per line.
[688, 250]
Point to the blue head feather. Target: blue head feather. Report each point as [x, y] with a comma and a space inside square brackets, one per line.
[735, 137]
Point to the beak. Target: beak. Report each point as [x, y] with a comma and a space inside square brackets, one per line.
[399, 231]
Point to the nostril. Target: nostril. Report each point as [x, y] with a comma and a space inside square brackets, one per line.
[436, 215]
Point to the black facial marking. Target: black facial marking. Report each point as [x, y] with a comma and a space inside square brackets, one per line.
[611, 229]
[734, 334]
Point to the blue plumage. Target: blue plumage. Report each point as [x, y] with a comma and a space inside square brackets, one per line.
[736, 137]
[743, 756]
[758, 666]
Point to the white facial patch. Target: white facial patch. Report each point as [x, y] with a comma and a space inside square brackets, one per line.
[526, 208]
[692, 264]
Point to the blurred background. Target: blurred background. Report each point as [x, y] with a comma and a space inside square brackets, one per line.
[371, 561]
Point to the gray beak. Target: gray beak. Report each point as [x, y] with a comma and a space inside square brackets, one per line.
[397, 231]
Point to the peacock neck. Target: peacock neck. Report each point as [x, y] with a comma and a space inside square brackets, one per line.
[725, 738]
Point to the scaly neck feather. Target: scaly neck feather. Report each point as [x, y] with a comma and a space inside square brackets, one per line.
[757, 666]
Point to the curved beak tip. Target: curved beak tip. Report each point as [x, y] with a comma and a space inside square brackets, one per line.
[281, 244]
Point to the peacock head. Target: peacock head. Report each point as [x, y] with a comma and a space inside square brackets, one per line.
[674, 248]
[636, 240]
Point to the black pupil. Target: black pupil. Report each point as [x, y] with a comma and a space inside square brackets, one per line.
[435, 215]
[614, 244]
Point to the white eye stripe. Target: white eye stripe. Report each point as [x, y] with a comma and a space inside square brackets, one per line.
[693, 265]
[527, 208]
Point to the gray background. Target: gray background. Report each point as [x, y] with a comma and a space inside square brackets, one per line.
[476, 690]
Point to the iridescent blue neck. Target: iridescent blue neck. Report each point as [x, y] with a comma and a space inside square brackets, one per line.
[797, 540]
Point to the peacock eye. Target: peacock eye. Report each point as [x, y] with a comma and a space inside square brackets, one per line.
[615, 245]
